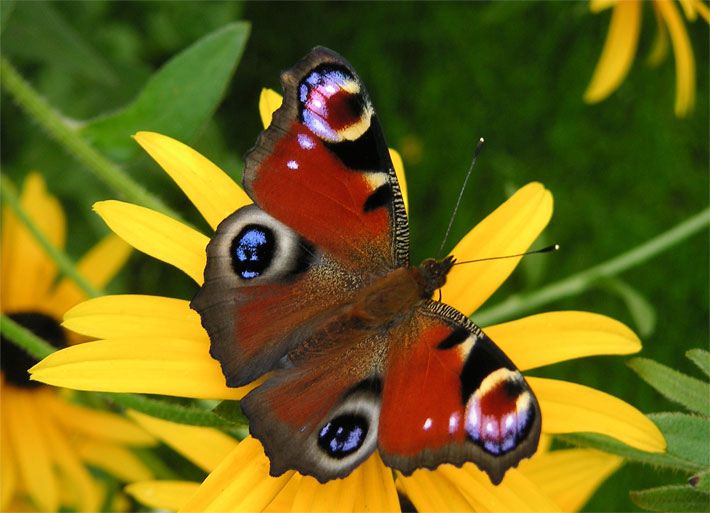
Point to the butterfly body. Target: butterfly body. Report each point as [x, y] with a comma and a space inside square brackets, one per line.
[311, 288]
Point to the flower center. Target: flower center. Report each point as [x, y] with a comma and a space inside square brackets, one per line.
[15, 361]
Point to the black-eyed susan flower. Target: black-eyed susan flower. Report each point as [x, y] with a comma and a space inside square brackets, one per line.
[622, 40]
[561, 480]
[47, 440]
[154, 344]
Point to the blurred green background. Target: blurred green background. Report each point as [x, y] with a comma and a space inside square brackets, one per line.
[441, 75]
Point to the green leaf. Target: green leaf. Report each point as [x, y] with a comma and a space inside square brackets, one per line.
[231, 412]
[676, 386]
[178, 99]
[687, 436]
[701, 481]
[671, 498]
[641, 310]
[168, 410]
[40, 33]
[701, 358]
[606, 444]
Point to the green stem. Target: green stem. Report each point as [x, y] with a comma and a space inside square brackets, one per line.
[64, 263]
[25, 339]
[576, 284]
[62, 132]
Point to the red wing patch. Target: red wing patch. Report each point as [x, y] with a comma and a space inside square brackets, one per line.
[451, 396]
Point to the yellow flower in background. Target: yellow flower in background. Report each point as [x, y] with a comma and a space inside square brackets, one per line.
[47, 440]
[152, 344]
[622, 40]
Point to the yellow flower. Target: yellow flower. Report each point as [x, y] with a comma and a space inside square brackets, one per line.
[156, 345]
[566, 477]
[46, 440]
[622, 40]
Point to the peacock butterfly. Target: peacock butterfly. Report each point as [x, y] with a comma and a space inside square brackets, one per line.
[311, 288]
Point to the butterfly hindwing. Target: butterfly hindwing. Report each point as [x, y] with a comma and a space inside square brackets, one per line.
[451, 396]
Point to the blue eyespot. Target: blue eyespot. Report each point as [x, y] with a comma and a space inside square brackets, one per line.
[343, 435]
[252, 251]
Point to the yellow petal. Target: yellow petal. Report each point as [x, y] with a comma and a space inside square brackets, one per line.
[30, 448]
[8, 463]
[683, 53]
[240, 483]
[78, 482]
[157, 235]
[205, 447]
[570, 408]
[703, 10]
[618, 53]
[27, 271]
[370, 487]
[659, 49]
[209, 188]
[381, 492]
[601, 5]
[102, 425]
[570, 476]
[284, 500]
[508, 230]
[689, 9]
[98, 266]
[126, 316]
[167, 366]
[554, 337]
[399, 169]
[162, 495]
[269, 102]
[114, 459]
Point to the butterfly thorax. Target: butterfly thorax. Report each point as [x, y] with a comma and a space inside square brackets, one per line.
[397, 292]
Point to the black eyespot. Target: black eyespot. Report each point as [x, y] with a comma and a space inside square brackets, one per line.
[252, 251]
[343, 435]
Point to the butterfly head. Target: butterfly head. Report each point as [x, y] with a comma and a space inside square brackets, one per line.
[433, 274]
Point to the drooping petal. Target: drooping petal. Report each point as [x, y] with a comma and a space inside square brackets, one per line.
[618, 53]
[27, 271]
[98, 266]
[432, 492]
[124, 316]
[114, 459]
[167, 366]
[157, 235]
[214, 193]
[508, 230]
[703, 10]
[102, 425]
[269, 102]
[162, 495]
[554, 337]
[77, 480]
[205, 447]
[30, 448]
[378, 480]
[659, 49]
[570, 476]
[571, 408]
[240, 483]
[684, 60]
[689, 9]
[399, 169]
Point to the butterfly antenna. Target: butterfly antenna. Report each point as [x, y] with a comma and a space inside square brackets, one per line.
[463, 188]
[547, 249]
